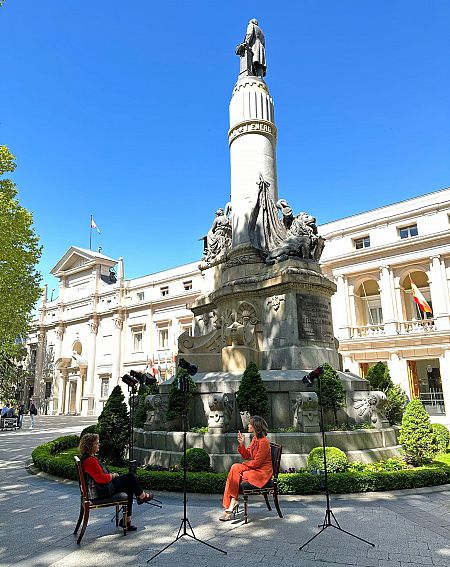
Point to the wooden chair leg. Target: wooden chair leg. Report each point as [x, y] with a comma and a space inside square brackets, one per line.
[80, 517]
[125, 518]
[245, 508]
[277, 505]
[83, 527]
[266, 498]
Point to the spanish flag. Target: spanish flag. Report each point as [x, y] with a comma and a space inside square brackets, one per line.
[420, 299]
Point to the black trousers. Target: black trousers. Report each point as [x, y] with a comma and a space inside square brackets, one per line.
[127, 483]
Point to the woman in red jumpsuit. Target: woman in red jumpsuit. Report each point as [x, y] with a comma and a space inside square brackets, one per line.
[256, 469]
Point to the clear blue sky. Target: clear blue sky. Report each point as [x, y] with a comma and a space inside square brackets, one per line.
[120, 109]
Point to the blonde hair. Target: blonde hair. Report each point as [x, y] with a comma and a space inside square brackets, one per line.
[87, 442]
[259, 425]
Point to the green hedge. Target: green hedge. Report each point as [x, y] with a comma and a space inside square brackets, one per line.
[56, 457]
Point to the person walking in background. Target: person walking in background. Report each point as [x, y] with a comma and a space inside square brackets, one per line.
[5, 410]
[21, 411]
[33, 414]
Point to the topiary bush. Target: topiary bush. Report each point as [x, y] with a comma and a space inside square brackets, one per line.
[331, 392]
[336, 460]
[252, 393]
[379, 377]
[417, 435]
[394, 405]
[442, 435]
[197, 460]
[113, 428]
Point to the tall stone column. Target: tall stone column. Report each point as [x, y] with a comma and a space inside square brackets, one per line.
[252, 138]
[62, 390]
[341, 311]
[38, 391]
[117, 348]
[437, 290]
[444, 366]
[56, 389]
[398, 369]
[387, 301]
[93, 326]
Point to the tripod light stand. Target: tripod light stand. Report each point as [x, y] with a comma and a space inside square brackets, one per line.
[183, 384]
[329, 516]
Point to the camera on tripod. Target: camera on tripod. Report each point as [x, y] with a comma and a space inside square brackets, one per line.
[135, 378]
[309, 378]
[191, 369]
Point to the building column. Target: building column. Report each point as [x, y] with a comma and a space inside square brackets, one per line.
[79, 394]
[117, 348]
[444, 368]
[66, 394]
[398, 369]
[56, 389]
[352, 307]
[38, 394]
[387, 301]
[437, 289]
[93, 326]
[340, 302]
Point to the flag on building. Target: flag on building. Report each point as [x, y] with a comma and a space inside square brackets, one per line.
[420, 299]
[94, 224]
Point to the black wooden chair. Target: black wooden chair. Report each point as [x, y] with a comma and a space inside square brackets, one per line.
[87, 504]
[247, 489]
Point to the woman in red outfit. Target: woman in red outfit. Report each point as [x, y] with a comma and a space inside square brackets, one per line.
[256, 470]
[101, 483]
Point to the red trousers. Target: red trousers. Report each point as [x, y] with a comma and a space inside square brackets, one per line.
[234, 479]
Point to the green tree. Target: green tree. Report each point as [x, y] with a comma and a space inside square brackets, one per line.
[379, 377]
[175, 406]
[417, 435]
[395, 404]
[113, 428]
[19, 255]
[331, 392]
[252, 393]
[140, 413]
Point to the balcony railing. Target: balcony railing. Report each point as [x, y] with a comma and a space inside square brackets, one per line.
[419, 326]
[399, 328]
[367, 331]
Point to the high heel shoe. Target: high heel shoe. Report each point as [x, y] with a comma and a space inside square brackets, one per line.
[230, 513]
[148, 496]
[130, 527]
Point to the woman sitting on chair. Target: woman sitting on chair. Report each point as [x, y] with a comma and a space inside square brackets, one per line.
[103, 484]
[257, 470]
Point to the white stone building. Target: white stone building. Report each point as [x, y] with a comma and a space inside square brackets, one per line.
[102, 325]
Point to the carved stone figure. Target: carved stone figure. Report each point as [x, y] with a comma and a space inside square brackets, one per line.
[305, 407]
[218, 239]
[369, 409]
[254, 41]
[156, 413]
[220, 411]
[278, 239]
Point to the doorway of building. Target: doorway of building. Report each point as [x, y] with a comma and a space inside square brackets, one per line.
[426, 384]
[73, 397]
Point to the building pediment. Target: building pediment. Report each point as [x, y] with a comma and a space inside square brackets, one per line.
[79, 259]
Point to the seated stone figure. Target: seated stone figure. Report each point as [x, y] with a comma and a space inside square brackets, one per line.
[218, 239]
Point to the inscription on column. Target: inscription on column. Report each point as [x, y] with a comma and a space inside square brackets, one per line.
[314, 319]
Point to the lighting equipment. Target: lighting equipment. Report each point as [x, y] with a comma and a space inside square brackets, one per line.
[183, 381]
[327, 523]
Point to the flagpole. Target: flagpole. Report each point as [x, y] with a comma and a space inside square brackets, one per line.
[367, 303]
[90, 234]
[416, 306]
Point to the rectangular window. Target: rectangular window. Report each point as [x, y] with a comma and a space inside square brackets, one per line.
[187, 329]
[105, 388]
[48, 389]
[140, 295]
[375, 316]
[137, 341]
[164, 290]
[408, 231]
[363, 242]
[163, 339]
[187, 285]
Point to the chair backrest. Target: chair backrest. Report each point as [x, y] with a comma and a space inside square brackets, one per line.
[81, 478]
[276, 451]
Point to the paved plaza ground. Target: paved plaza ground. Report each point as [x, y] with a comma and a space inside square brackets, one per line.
[38, 514]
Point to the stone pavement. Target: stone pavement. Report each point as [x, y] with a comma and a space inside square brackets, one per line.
[409, 528]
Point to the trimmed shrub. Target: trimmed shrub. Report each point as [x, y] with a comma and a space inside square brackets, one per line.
[90, 429]
[140, 413]
[336, 460]
[113, 428]
[45, 457]
[379, 377]
[417, 436]
[197, 460]
[331, 393]
[252, 393]
[442, 435]
[175, 405]
[394, 405]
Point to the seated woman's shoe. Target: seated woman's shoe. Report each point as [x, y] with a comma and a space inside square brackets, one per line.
[230, 513]
[147, 497]
[130, 527]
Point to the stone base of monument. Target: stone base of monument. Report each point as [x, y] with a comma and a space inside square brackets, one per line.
[161, 448]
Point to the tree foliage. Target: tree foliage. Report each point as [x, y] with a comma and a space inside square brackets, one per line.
[331, 393]
[379, 377]
[252, 393]
[19, 255]
[113, 428]
[417, 435]
[140, 413]
[395, 404]
[175, 406]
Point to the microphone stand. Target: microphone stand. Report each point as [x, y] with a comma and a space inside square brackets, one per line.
[327, 523]
[182, 531]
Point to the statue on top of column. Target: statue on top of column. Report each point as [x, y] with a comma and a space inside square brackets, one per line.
[252, 51]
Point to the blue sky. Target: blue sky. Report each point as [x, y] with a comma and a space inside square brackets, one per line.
[120, 110]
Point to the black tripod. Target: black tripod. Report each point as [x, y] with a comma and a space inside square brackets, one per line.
[182, 532]
[327, 523]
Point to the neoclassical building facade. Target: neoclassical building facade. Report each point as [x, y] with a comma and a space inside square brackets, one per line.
[102, 325]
